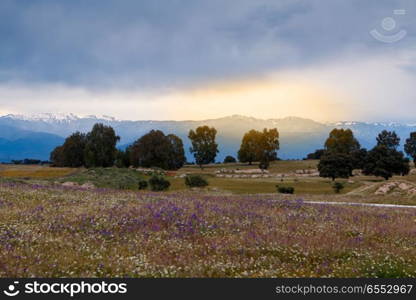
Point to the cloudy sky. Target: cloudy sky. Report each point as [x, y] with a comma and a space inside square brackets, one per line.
[197, 59]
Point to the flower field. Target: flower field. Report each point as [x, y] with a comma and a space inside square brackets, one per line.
[69, 232]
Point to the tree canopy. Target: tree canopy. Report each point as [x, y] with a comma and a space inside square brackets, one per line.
[341, 155]
[389, 139]
[155, 149]
[316, 155]
[335, 165]
[259, 146]
[385, 162]
[341, 141]
[268, 146]
[71, 153]
[100, 147]
[410, 146]
[204, 146]
[249, 147]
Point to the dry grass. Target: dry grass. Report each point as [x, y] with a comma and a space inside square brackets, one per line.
[34, 172]
[268, 185]
[282, 166]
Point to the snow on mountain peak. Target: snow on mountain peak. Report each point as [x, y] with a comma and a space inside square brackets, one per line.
[46, 117]
[55, 117]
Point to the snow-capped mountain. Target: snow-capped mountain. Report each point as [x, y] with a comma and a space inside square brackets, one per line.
[298, 136]
[44, 117]
[56, 117]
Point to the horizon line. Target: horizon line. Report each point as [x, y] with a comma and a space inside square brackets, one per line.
[106, 117]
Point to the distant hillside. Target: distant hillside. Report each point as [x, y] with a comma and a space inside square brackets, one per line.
[298, 136]
[16, 143]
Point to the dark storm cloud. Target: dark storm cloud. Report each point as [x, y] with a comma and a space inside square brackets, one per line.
[101, 43]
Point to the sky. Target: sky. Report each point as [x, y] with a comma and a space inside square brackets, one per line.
[327, 60]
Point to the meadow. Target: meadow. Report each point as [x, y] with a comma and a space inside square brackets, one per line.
[232, 228]
[71, 232]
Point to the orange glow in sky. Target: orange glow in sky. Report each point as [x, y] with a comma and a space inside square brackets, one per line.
[266, 98]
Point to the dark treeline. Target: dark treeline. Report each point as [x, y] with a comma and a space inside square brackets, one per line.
[155, 149]
[97, 148]
[342, 153]
[29, 161]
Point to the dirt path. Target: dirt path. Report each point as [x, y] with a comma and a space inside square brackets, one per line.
[361, 189]
[360, 204]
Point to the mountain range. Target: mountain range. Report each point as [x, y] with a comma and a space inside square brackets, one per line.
[35, 136]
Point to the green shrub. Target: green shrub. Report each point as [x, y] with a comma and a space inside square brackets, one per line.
[142, 184]
[113, 178]
[229, 159]
[158, 183]
[337, 186]
[285, 189]
[195, 181]
[122, 182]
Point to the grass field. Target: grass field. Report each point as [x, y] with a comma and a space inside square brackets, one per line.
[235, 227]
[34, 171]
[128, 178]
[255, 186]
[281, 166]
[70, 232]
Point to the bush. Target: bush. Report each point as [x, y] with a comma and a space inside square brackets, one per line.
[143, 184]
[285, 189]
[195, 181]
[337, 186]
[158, 183]
[229, 159]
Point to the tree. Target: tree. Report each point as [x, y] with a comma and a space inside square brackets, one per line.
[335, 165]
[229, 159]
[385, 162]
[73, 150]
[123, 158]
[316, 155]
[155, 149]
[57, 157]
[71, 153]
[177, 154]
[268, 146]
[249, 147]
[259, 146]
[100, 147]
[358, 158]
[341, 141]
[204, 147]
[410, 146]
[388, 139]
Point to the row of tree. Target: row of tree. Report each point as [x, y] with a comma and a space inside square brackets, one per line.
[97, 148]
[343, 154]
